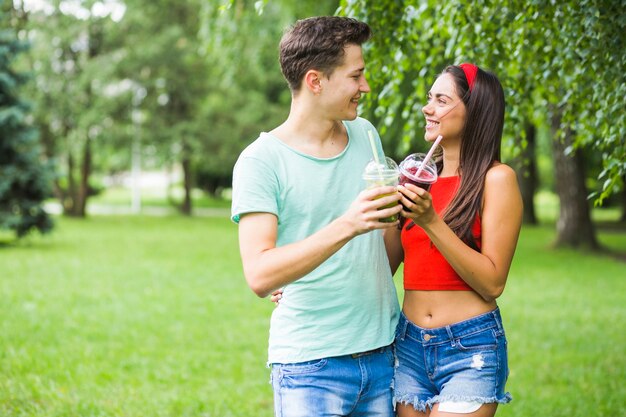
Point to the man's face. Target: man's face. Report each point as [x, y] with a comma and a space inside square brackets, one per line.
[343, 89]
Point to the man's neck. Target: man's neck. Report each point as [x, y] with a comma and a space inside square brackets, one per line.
[311, 132]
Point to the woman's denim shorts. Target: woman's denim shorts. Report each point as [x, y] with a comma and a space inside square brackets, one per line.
[465, 361]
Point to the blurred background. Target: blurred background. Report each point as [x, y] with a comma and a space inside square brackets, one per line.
[120, 121]
[148, 103]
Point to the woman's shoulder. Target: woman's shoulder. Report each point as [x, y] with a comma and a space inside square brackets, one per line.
[501, 182]
[500, 173]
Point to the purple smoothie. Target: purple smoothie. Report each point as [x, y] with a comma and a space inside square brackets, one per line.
[425, 180]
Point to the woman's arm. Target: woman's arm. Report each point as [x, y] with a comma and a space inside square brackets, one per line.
[393, 245]
[485, 271]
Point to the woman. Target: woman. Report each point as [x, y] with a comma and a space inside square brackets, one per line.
[457, 243]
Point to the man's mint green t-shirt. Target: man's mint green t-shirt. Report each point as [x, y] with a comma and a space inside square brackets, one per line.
[348, 304]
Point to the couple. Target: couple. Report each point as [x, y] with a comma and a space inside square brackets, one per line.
[338, 345]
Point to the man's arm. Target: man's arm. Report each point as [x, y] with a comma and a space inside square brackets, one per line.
[267, 267]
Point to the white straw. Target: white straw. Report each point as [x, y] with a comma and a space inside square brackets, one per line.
[373, 145]
[428, 156]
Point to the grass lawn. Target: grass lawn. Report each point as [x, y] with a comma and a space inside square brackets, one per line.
[150, 316]
[131, 316]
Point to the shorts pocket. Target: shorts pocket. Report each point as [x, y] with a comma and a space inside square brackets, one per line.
[303, 368]
[484, 340]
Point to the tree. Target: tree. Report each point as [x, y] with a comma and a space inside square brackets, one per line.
[577, 103]
[72, 61]
[542, 52]
[526, 167]
[165, 56]
[24, 178]
[574, 227]
[249, 92]
[197, 78]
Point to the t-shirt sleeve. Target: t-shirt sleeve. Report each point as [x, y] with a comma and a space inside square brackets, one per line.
[255, 188]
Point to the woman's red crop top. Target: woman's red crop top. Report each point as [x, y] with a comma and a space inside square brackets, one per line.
[425, 268]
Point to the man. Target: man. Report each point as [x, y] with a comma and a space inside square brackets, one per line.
[306, 225]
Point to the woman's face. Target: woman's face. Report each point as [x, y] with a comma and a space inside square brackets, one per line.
[444, 111]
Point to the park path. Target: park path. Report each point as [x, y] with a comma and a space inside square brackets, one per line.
[109, 210]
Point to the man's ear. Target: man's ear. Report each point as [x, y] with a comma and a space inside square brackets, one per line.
[313, 81]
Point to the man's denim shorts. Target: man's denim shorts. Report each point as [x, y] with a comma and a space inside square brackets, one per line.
[356, 385]
[462, 362]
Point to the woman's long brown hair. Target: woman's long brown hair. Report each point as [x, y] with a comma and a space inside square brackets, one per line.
[480, 147]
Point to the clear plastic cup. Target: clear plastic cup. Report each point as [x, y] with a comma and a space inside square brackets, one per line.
[378, 174]
[409, 167]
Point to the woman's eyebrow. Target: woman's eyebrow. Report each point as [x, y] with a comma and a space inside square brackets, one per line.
[437, 95]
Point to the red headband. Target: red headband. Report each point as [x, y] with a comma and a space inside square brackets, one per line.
[470, 71]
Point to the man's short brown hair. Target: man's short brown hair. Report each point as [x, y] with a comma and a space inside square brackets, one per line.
[318, 43]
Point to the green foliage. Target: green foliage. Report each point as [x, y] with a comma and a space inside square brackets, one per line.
[24, 179]
[562, 58]
[145, 316]
[75, 100]
[248, 93]
[189, 81]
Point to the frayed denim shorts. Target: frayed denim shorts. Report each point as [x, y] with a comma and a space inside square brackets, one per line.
[462, 362]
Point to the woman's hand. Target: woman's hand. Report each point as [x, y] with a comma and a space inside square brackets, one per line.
[276, 296]
[417, 204]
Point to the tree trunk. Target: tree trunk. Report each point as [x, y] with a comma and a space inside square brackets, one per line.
[526, 168]
[574, 226]
[85, 173]
[623, 205]
[69, 197]
[185, 208]
[75, 201]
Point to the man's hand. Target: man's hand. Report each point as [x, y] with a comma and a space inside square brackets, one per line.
[368, 208]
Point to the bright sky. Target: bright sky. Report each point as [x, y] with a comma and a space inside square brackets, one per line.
[113, 8]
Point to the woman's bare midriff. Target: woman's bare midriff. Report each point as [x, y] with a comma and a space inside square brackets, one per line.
[430, 309]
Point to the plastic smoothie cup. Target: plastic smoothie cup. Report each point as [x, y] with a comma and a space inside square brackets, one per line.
[411, 165]
[378, 174]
